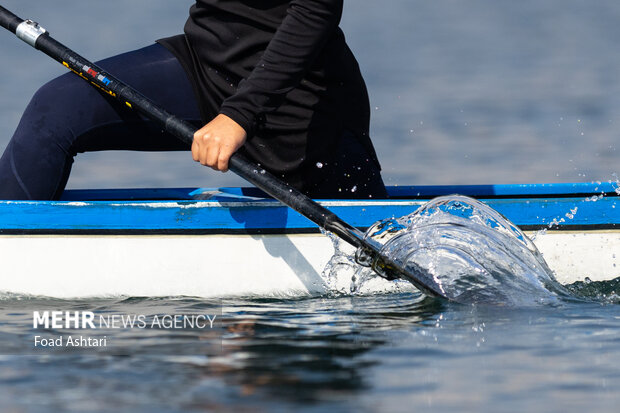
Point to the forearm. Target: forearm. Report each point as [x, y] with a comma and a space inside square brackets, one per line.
[294, 47]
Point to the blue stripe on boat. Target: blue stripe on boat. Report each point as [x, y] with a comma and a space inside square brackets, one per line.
[180, 210]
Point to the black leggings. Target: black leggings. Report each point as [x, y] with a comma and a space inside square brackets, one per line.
[67, 116]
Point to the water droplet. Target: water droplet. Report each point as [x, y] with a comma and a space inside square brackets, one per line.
[319, 165]
[571, 213]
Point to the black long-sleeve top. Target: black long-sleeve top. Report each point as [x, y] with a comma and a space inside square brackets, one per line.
[282, 70]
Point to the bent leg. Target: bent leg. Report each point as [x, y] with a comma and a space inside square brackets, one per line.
[68, 116]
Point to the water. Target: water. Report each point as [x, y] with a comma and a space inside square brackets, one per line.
[462, 92]
[395, 352]
[461, 249]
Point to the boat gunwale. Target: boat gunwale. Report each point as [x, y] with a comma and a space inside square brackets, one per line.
[411, 192]
[253, 231]
[227, 212]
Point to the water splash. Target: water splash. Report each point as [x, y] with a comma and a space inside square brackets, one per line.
[604, 292]
[344, 276]
[470, 253]
[571, 213]
[617, 182]
[341, 268]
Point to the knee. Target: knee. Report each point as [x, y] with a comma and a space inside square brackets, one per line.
[60, 110]
[65, 93]
[52, 115]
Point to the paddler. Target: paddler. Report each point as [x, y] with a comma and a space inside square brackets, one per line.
[274, 79]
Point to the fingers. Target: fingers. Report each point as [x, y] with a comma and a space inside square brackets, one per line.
[216, 142]
[195, 149]
[223, 157]
[212, 152]
[206, 150]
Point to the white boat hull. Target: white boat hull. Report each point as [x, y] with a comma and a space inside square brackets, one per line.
[234, 265]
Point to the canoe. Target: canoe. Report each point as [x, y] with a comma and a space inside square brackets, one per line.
[237, 242]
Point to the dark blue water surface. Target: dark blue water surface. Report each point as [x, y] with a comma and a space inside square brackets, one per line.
[463, 92]
[395, 352]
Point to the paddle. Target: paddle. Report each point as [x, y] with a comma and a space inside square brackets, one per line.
[39, 38]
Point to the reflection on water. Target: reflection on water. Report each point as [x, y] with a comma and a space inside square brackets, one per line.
[273, 353]
[302, 352]
[384, 352]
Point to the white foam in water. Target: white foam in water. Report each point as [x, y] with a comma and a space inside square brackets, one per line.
[343, 275]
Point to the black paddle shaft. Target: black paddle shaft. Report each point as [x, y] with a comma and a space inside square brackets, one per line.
[39, 38]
